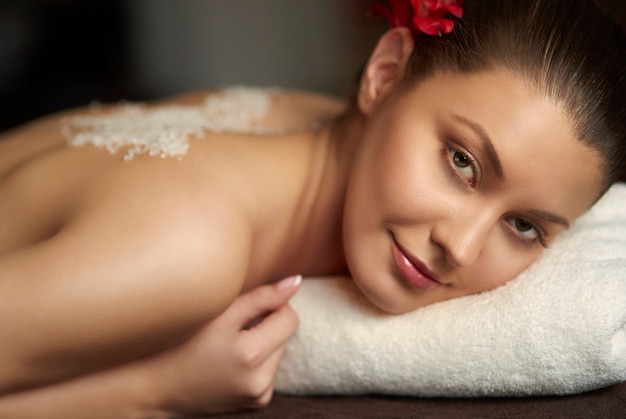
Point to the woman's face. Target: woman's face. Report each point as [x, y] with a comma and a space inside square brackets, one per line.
[459, 184]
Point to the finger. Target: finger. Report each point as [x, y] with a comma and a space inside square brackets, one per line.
[269, 335]
[270, 366]
[252, 307]
[273, 361]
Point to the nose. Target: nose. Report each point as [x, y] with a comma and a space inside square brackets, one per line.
[463, 237]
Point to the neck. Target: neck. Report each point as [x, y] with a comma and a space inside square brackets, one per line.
[319, 218]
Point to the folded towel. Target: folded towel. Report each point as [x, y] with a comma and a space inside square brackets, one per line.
[558, 328]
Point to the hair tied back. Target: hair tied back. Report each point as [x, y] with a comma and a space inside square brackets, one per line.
[429, 17]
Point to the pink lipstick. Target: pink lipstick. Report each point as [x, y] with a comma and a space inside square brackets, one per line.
[412, 269]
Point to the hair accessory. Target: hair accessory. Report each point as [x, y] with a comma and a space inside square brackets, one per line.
[430, 17]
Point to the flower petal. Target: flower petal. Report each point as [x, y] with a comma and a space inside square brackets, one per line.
[428, 16]
[432, 26]
[398, 13]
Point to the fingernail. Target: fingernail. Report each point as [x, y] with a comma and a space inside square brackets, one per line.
[289, 282]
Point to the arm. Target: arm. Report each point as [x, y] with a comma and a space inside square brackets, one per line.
[123, 392]
[225, 367]
[112, 287]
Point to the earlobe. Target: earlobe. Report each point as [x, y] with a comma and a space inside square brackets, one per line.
[385, 67]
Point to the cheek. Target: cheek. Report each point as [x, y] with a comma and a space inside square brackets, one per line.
[404, 179]
[396, 181]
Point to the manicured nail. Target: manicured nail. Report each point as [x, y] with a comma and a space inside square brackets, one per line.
[289, 282]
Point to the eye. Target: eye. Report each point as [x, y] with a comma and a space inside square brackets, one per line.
[463, 165]
[527, 230]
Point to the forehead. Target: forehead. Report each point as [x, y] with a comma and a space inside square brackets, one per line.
[534, 139]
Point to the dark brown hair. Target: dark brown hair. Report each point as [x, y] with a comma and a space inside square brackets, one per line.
[569, 49]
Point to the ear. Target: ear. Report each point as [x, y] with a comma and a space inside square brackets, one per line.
[385, 67]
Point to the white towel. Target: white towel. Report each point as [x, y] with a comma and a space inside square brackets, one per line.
[558, 328]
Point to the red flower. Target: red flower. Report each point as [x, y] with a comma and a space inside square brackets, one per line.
[421, 16]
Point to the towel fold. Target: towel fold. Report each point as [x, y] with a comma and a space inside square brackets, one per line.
[558, 328]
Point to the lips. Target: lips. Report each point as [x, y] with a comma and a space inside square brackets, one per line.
[412, 269]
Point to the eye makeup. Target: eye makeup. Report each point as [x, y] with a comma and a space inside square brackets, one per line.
[462, 164]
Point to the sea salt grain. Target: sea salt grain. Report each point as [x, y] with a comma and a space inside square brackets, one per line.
[164, 131]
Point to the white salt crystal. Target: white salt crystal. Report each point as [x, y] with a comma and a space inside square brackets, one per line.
[164, 131]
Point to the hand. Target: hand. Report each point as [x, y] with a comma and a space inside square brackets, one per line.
[231, 363]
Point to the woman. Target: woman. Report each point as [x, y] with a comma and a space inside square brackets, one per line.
[465, 154]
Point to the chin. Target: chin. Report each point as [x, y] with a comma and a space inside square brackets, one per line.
[373, 275]
[381, 293]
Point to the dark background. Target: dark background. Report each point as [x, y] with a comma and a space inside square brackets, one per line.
[56, 54]
[60, 54]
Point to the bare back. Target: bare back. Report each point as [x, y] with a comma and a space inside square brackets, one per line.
[104, 260]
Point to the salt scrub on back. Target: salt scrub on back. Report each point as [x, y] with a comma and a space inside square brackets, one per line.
[164, 131]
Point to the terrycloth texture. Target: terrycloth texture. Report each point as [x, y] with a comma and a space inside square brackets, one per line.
[559, 328]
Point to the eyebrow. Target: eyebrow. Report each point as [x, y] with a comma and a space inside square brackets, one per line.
[487, 144]
[548, 216]
[492, 155]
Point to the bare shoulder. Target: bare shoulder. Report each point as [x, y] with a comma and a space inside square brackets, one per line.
[287, 110]
[299, 109]
[179, 223]
[141, 264]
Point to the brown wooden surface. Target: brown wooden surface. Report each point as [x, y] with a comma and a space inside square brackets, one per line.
[609, 403]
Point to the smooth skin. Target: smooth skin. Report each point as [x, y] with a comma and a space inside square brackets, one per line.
[226, 366]
[474, 175]
[115, 273]
[91, 280]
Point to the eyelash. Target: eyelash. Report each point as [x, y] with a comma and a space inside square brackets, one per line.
[451, 149]
[541, 234]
